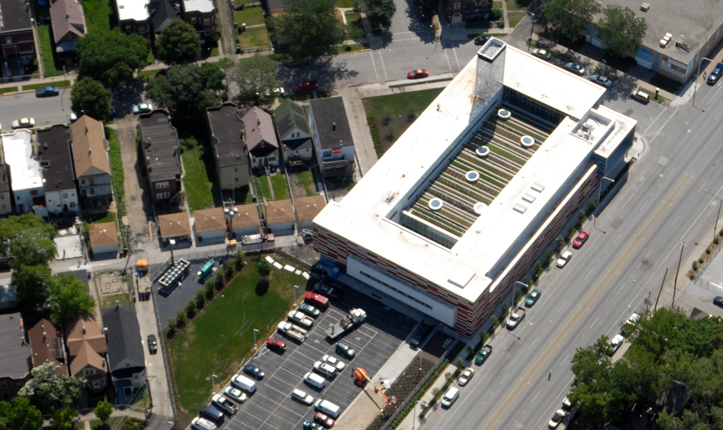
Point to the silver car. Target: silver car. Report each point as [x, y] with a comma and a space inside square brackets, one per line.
[23, 123]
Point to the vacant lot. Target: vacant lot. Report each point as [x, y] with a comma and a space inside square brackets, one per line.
[390, 116]
[196, 181]
[249, 16]
[254, 38]
[98, 15]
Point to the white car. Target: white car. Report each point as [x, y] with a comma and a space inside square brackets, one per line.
[465, 376]
[325, 369]
[616, 342]
[601, 80]
[73, 117]
[142, 108]
[564, 258]
[23, 123]
[449, 397]
[566, 404]
[235, 394]
[556, 419]
[302, 396]
[334, 362]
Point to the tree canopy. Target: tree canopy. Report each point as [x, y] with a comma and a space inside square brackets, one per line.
[185, 90]
[620, 30]
[19, 414]
[68, 299]
[51, 392]
[179, 43]
[63, 418]
[103, 411]
[31, 285]
[255, 78]
[111, 56]
[309, 28]
[570, 17]
[89, 97]
[27, 240]
[378, 12]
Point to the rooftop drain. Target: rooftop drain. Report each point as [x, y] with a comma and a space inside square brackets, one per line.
[472, 176]
[504, 114]
[435, 204]
[482, 151]
[527, 141]
[479, 208]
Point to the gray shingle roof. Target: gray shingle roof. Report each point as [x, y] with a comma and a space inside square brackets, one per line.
[332, 124]
[290, 116]
[15, 360]
[260, 133]
[14, 15]
[160, 146]
[226, 127]
[55, 158]
[162, 13]
[124, 340]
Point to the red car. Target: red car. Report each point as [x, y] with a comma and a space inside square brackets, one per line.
[275, 344]
[418, 74]
[581, 239]
[317, 300]
[324, 420]
[306, 87]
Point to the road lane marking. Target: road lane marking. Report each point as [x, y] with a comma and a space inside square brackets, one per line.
[457, 59]
[564, 360]
[448, 63]
[385, 67]
[676, 219]
[533, 399]
[594, 322]
[589, 300]
[661, 128]
[562, 307]
[371, 55]
[656, 118]
[588, 273]
[533, 342]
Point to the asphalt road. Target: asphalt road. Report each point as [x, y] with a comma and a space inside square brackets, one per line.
[46, 111]
[663, 204]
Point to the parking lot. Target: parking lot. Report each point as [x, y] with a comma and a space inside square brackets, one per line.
[271, 406]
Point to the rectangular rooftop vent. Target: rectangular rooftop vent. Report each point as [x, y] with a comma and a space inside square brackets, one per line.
[490, 50]
[644, 7]
[538, 187]
[520, 208]
[461, 275]
[529, 198]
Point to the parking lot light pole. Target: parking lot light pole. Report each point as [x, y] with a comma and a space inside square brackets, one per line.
[522, 286]
[213, 383]
[296, 287]
[255, 347]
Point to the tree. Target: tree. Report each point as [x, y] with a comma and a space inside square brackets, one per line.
[309, 28]
[379, 12]
[19, 414]
[64, 418]
[212, 77]
[264, 268]
[255, 77]
[68, 299]
[49, 391]
[27, 239]
[183, 91]
[103, 411]
[111, 56]
[571, 17]
[620, 30]
[31, 285]
[89, 97]
[179, 43]
[227, 66]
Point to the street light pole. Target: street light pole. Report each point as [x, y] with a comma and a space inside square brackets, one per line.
[295, 288]
[213, 383]
[255, 347]
[414, 418]
[715, 227]
[695, 91]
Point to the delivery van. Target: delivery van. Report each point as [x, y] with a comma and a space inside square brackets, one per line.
[328, 408]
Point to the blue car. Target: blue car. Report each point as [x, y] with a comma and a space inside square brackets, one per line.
[47, 92]
[254, 371]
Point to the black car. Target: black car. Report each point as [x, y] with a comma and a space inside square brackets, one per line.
[152, 344]
[345, 350]
[718, 301]
[211, 413]
[421, 334]
[481, 40]
[715, 74]
[254, 371]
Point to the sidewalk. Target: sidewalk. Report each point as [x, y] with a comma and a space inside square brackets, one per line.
[413, 421]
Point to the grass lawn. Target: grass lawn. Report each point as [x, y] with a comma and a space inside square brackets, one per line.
[497, 5]
[262, 187]
[250, 16]
[345, 3]
[354, 26]
[59, 84]
[513, 5]
[143, 73]
[97, 14]
[498, 35]
[116, 166]
[349, 48]
[306, 180]
[195, 181]
[99, 218]
[220, 338]
[109, 301]
[8, 90]
[393, 114]
[278, 181]
[254, 38]
[46, 46]
[515, 17]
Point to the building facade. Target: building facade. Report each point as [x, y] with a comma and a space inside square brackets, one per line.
[134, 17]
[26, 174]
[125, 351]
[16, 35]
[201, 14]
[68, 22]
[61, 196]
[15, 356]
[260, 138]
[229, 148]
[294, 133]
[333, 141]
[457, 12]
[90, 159]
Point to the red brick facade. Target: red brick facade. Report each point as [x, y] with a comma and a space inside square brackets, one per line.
[459, 11]
[204, 23]
[18, 44]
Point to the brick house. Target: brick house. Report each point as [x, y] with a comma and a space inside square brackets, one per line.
[16, 32]
[457, 12]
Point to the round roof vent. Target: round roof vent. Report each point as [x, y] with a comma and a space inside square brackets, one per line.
[479, 208]
[482, 151]
[435, 204]
[504, 114]
[527, 141]
[472, 176]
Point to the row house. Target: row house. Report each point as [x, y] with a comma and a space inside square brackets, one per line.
[294, 133]
[149, 18]
[333, 141]
[260, 138]
[68, 22]
[126, 358]
[15, 361]
[229, 149]
[55, 160]
[16, 32]
[159, 142]
[87, 352]
[89, 147]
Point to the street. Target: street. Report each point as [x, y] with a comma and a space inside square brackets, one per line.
[47, 111]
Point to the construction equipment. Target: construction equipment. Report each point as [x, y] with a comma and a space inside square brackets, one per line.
[347, 322]
[360, 378]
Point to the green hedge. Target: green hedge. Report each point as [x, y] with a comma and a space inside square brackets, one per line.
[407, 409]
[372, 121]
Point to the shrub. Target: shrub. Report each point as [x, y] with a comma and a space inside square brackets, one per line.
[528, 280]
[448, 376]
[538, 269]
[471, 351]
[200, 298]
[218, 283]
[707, 250]
[701, 261]
[695, 265]
[505, 311]
[191, 309]
[229, 269]
[548, 256]
[181, 318]
[209, 290]
[459, 363]
[495, 322]
[571, 230]
[560, 242]
[716, 241]
[239, 261]
[591, 204]
[720, 233]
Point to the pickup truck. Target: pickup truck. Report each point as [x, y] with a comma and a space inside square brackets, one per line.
[483, 354]
[353, 318]
[224, 404]
[293, 331]
[316, 300]
[301, 318]
[515, 318]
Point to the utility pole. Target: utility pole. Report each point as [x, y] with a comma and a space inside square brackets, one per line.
[661, 290]
[715, 229]
[675, 284]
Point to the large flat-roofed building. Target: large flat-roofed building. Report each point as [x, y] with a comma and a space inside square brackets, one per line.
[26, 174]
[468, 198]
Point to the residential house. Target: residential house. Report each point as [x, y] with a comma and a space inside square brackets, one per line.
[92, 165]
[245, 220]
[279, 217]
[134, 17]
[162, 158]
[162, 13]
[56, 161]
[201, 14]
[6, 198]
[294, 132]
[458, 12]
[16, 35]
[307, 208]
[210, 226]
[125, 351]
[103, 238]
[26, 175]
[68, 22]
[229, 149]
[174, 226]
[87, 352]
[332, 137]
[275, 7]
[15, 362]
[46, 345]
[260, 138]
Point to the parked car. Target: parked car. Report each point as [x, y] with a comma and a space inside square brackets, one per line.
[641, 96]
[715, 74]
[465, 376]
[338, 364]
[47, 92]
[325, 369]
[254, 371]
[566, 404]
[211, 413]
[616, 341]
[575, 68]
[302, 396]
[152, 344]
[73, 117]
[601, 80]
[309, 310]
[316, 300]
[541, 53]
[418, 74]
[235, 394]
[142, 108]
[23, 123]
[580, 240]
[564, 258]
[306, 86]
[630, 324]
[556, 419]
[324, 420]
[483, 354]
[345, 350]
[449, 397]
[275, 344]
[308, 425]
[718, 301]
[481, 40]
[532, 297]
[421, 334]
